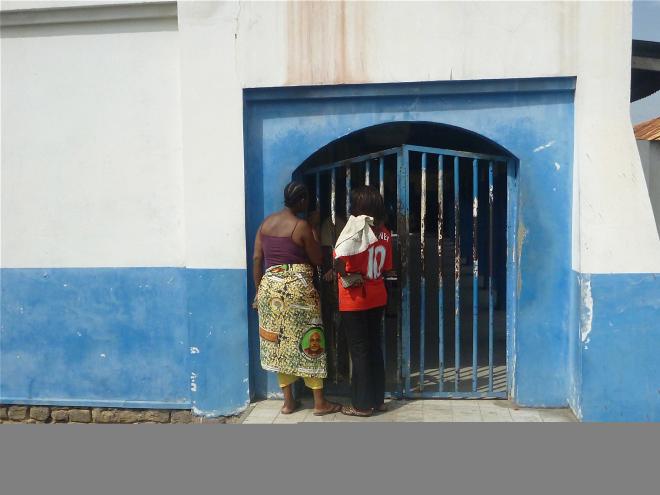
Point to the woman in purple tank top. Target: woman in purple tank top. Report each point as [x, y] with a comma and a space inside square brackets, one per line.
[291, 337]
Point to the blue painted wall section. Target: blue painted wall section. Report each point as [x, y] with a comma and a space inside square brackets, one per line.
[531, 118]
[218, 341]
[121, 337]
[102, 336]
[618, 346]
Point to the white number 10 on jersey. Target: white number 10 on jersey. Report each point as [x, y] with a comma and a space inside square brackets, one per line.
[376, 262]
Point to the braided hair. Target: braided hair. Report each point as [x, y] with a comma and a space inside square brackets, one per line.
[294, 193]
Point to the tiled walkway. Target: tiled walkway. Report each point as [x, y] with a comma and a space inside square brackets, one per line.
[427, 411]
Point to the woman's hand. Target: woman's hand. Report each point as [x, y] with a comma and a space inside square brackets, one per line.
[255, 302]
[329, 276]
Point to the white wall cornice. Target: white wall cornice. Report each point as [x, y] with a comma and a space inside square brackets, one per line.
[87, 12]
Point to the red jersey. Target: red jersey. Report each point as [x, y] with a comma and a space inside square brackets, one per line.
[371, 264]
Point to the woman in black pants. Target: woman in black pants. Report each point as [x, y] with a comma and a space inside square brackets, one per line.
[363, 254]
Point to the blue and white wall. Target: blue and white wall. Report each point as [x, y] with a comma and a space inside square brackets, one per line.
[123, 202]
[616, 250]
[123, 272]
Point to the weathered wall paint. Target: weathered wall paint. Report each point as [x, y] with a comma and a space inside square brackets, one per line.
[124, 337]
[285, 126]
[219, 359]
[618, 375]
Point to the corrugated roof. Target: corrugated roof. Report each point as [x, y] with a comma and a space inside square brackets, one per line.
[648, 131]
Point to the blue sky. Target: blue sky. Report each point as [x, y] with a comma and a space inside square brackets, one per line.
[646, 26]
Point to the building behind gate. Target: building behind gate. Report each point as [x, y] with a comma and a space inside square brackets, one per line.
[142, 144]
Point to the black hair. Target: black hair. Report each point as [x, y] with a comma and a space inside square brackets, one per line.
[366, 200]
[294, 193]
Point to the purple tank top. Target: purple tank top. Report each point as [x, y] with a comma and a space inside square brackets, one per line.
[282, 251]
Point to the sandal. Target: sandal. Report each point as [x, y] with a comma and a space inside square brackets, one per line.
[335, 408]
[296, 406]
[351, 411]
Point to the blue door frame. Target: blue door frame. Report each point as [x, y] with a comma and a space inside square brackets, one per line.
[532, 119]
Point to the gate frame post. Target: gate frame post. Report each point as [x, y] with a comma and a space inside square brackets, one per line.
[403, 210]
[512, 271]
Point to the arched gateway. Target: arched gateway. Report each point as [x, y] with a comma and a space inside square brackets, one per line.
[445, 190]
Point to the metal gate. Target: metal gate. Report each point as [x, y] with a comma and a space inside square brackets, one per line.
[435, 209]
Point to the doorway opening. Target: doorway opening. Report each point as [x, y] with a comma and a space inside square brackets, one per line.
[447, 193]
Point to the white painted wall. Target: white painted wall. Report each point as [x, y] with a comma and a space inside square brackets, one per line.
[226, 46]
[212, 110]
[614, 219]
[91, 146]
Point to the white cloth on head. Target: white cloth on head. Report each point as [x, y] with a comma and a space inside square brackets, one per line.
[356, 237]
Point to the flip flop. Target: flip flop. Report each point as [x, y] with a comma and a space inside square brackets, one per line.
[334, 409]
[296, 406]
[351, 411]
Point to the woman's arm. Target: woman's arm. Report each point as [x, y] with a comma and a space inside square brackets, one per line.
[257, 264]
[311, 244]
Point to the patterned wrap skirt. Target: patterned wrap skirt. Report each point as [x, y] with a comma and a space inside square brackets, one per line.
[291, 336]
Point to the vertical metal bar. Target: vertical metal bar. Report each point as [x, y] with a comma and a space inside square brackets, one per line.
[333, 197]
[490, 276]
[403, 202]
[441, 308]
[333, 217]
[348, 191]
[475, 270]
[457, 278]
[422, 280]
[381, 175]
[367, 172]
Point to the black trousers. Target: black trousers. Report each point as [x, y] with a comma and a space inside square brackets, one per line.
[363, 335]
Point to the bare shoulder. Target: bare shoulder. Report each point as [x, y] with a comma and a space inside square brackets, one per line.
[269, 222]
[303, 231]
[304, 227]
[304, 224]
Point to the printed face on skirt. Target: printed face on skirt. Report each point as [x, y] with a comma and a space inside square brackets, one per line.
[313, 342]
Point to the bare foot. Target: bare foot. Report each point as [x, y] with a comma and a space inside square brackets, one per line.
[291, 407]
[327, 408]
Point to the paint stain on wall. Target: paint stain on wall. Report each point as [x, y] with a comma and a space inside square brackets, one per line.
[586, 308]
[520, 239]
[325, 42]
